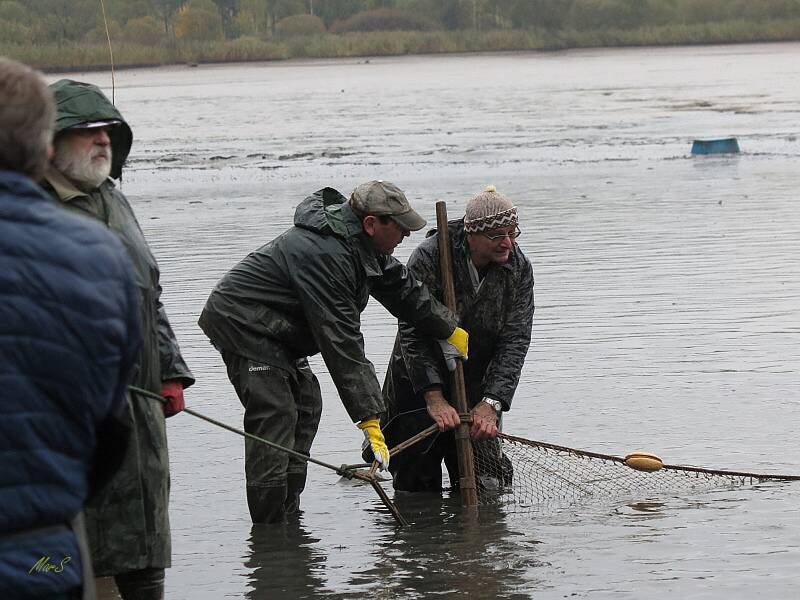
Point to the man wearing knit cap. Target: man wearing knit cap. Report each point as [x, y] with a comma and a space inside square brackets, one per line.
[494, 295]
[303, 294]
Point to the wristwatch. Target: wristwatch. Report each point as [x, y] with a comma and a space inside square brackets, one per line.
[495, 404]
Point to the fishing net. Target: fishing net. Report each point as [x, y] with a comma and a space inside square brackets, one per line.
[527, 475]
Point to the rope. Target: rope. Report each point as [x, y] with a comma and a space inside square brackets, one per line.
[305, 457]
[110, 51]
[346, 471]
[618, 459]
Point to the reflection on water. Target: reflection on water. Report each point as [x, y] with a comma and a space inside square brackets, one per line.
[666, 320]
[651, 509]
[283, 563]
[445, 549]
[464, 555]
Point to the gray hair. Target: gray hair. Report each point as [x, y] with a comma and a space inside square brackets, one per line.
[26, 119]
[489, 210]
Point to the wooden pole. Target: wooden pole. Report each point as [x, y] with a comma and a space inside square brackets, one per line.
[458, 392]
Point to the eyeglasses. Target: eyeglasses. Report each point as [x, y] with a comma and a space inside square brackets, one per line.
[513, 235]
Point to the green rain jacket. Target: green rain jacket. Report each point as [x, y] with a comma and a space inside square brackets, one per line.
[128, 522]
[304, 292]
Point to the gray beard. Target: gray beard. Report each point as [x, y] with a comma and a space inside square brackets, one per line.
[80, 169]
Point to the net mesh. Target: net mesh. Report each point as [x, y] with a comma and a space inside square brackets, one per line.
[529, 475]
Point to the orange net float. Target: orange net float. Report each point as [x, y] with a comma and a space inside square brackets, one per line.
[644, 461]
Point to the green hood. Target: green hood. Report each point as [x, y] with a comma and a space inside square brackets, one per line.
[327, 212]
[78, 102]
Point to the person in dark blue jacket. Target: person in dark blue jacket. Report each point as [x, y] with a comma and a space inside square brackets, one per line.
[69, 335]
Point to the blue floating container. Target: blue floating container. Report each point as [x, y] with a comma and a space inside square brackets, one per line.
[721, 146]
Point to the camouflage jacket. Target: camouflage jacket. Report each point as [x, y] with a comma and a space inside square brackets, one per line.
[128, 523]
[304, 292]
[499, 319]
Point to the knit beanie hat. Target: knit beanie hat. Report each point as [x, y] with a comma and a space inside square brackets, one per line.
[489, 210]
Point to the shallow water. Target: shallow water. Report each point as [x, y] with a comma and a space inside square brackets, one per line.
[666, 289]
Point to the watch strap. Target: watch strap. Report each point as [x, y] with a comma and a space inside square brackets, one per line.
[495, 404]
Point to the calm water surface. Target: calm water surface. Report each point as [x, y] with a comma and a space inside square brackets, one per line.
[667, 311]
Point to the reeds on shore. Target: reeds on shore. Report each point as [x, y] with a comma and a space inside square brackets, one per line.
[391, 43]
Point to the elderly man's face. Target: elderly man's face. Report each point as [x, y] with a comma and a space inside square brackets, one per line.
[83, 156]
[492, 246]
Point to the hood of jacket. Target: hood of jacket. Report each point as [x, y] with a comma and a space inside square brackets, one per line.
[78, 102]
[327, 212]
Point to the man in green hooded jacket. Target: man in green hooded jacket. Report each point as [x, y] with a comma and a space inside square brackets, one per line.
[303, 294]
[128, 521]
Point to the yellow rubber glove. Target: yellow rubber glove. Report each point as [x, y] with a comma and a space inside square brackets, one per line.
[454, 347]
[460, 339]
[374, 436]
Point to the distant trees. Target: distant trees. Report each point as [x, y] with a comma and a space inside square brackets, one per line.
[300, 25]
[338, 10]
[143, 30]
[164, 10]
[156, 22]
[384, 19]
[15, 23]
[198, 20]
[61, 21]
[12, 11]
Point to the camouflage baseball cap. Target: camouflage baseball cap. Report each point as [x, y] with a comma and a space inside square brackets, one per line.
[382, 198]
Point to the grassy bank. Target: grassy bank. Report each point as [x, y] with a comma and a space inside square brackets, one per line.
[79, 57]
